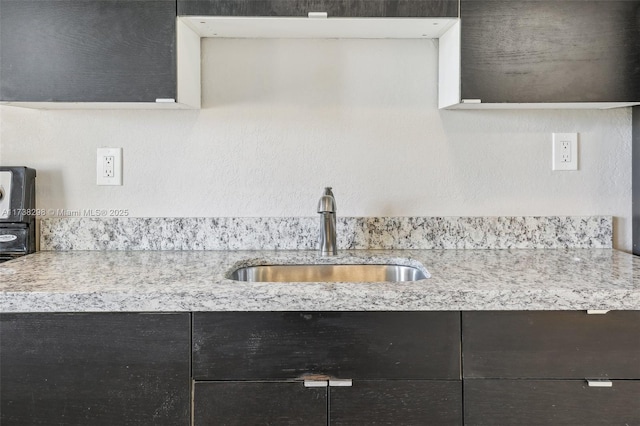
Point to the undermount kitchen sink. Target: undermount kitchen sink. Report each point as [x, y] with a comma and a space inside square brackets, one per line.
[328, 273]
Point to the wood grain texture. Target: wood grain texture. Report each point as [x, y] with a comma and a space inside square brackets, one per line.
[355, 345]
[553, 345]
[636, 179]
[550, 51]
[550, 402]
[397, 402]
[259, 403]
[94, 369]
[341, 8]
[90, 50]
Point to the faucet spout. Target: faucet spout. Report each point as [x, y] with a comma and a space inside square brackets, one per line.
[328, 237]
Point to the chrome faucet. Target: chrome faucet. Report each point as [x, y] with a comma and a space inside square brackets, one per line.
[327, 209]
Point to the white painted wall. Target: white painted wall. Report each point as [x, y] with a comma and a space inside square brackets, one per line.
[283, 118]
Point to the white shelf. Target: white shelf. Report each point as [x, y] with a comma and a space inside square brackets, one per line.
[302, 27]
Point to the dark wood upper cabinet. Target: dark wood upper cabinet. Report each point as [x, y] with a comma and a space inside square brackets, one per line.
[334, 8]
[87, 50]
[550, 51]
[95, 369]
[502, 53]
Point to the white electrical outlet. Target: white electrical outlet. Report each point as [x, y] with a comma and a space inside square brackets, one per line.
[565, 151]
[109, 166]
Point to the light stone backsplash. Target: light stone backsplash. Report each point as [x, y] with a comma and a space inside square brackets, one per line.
[301, 233]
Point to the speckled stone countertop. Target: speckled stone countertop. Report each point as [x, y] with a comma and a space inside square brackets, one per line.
[165, 281]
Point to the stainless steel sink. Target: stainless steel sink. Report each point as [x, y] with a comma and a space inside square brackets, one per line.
[328, 273]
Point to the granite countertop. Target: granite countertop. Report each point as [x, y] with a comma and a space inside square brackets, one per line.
[169, 281]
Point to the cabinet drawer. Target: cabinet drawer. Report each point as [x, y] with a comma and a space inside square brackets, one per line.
[252, 403]
[554, 345]
[397, 402]
[354, 345]
[550, 402]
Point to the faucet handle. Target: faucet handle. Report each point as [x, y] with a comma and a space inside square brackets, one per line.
[327, 203]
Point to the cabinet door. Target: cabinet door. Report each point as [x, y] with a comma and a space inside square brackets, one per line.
[397, 402]
[348, 345]
[252, 403]
[342, 8]
[550, 402]
[554, 345]
[550, 51]
[94, 369]
[87, 50]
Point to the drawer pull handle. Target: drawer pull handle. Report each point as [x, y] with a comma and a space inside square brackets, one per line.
[596, 311]
[341, 382]
[600, 383]
[318, 15]
[315, 383]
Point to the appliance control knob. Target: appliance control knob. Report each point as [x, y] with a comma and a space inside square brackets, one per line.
[1, 193]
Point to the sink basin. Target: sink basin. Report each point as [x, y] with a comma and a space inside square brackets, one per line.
[328, 273]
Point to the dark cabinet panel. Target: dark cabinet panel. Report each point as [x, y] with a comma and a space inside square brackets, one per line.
[87, 51]
[550, 51]
[261, 7]
[550, 402]
[397, 402]
[353, 345]
[253, 403]
[94, 369]
[560, 345]
[341, 8]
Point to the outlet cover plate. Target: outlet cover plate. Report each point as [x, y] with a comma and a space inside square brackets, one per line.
[565, 151]
[103, 178]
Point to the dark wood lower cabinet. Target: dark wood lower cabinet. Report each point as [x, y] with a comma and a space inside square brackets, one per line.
[550, 402]
[382, 402]
[346, 345]
[551, 345]
[397, 402]
[94, 369]
[404, 368]
[259, 403]
[520, 368]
